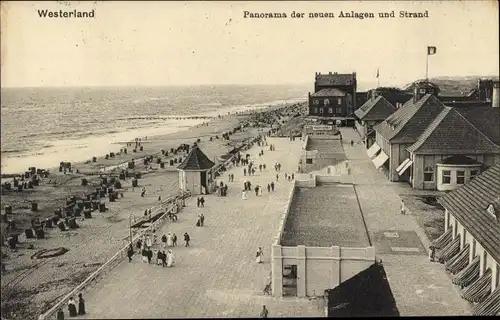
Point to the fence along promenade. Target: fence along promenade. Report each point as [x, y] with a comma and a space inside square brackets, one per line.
[118, 257]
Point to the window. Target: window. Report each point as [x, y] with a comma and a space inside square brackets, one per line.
[339, 110]
[460, 177]
[330, 110]
[309, 161]
[326, 102]
[315, 110]
[428, 174]
[422, 90]
[316, 101]
[339, 101]
[321, 110]
[446, 176]
[473, 174]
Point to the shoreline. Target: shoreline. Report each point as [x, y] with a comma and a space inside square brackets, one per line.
[32, 286]
[115, 146]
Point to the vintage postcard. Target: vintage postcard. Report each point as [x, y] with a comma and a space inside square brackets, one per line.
[227, 159]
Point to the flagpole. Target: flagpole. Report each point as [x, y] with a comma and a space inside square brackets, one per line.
[427, 64]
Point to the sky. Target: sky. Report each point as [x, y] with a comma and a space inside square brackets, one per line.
[179, 43]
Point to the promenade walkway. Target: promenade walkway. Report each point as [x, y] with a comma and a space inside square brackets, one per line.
[216, 276]
[420, 287]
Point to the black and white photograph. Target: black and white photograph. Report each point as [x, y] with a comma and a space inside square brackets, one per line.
[249, 159]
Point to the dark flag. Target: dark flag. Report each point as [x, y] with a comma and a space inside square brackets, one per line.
[431, 50]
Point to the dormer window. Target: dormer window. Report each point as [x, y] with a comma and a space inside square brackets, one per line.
[422, 90]
[491, 210]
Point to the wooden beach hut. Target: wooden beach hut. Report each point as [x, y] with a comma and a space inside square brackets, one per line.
[195, 172]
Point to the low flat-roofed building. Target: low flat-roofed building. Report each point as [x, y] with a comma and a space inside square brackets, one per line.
[323, 242]
[320, 152]
[470, 246]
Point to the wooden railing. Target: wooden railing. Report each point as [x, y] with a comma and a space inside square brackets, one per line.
[113, 262]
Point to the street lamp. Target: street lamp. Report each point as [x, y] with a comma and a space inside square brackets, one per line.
[130, 227]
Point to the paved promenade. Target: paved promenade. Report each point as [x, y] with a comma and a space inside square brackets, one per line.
[217, 276]
[420, 287]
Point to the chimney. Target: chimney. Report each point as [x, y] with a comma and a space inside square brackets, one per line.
[416, 94]
[330, 73]
[495, 100]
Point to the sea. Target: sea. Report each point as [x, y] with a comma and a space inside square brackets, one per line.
[44, 126]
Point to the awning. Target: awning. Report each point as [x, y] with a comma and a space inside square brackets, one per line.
[479, 289]
[404, 166]
[449, 251]
[458, 262]
[372, 151]
[490, 306]
[443, 239]
[380, 159]
[468, 274]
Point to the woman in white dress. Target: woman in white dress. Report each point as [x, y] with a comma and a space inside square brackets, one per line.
[259, 255]
[170, 258]
[170, 241]
[243, 194]
[149, 243]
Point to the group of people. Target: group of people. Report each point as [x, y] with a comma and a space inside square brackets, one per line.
[230, 177]
[222, 190]
[201, 220]
[72, 310]
[200, 202]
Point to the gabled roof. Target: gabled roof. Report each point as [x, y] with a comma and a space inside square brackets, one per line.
[335, 79]
[375, 109]
[468, 205]
[329, 92]
[366, 294]
[409, 122]
[485, 119]
[451, 132]
[196, 160]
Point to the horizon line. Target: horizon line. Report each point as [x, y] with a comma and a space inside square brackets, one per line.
[217, 84]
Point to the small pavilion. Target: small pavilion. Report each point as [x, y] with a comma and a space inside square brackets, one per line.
[195, 172]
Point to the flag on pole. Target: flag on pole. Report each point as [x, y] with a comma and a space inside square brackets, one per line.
[431, 50]
[377, 73]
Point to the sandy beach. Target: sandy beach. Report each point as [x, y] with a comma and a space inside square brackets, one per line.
[31, 286]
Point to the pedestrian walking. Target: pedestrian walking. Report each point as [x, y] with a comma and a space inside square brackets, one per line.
[245, 172]
[264, 166]
[277, 177]
[272, 186]
[403, 208]
[150, 255]
[293, 176]
[256, 190]
[198, 202]
[130, 253]
[202, 202]
[72, 307]
[268, 188]
[164, 241]
[432, 253]
[174, 241]
[198, 222]
[286, 176]
[264, 312]
[60, 314]
[202, 219]
[81, 305]
[163, 259]
[259, 255]
[187, 239]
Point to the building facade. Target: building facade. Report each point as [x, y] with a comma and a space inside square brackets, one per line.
[334, 96]
[371, 113]
[470, 246]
